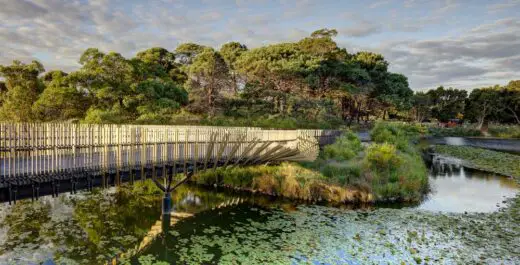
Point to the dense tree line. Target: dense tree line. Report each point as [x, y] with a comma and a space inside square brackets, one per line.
[312, 82]
[500, 104]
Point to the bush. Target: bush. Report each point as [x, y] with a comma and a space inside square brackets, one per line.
[343, 173]
[346, 147]
[398, 134]
[454, 132]
[394, 174]
[383, 156]
[504, 131]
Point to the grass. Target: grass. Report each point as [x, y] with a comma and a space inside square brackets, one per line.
[459, 131]
[483, 159]
[393, 164]
[494, 130]
[391, 169]
[504, 131]
[289, 180]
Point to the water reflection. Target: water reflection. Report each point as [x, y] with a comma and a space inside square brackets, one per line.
[212, 226]
[458, 189]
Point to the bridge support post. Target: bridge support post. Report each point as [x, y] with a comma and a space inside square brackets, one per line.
[167, 203]
[166, 211]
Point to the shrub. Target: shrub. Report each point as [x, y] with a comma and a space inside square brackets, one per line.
[346, 147]
[455, 131]
[398, 134]
[504, 131]
[394, 174]
[383, 157]
[343, 173]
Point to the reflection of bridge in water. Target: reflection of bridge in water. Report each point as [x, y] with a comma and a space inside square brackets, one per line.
[189, 206]
[40, 158]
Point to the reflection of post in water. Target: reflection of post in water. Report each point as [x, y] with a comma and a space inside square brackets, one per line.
[446, 167]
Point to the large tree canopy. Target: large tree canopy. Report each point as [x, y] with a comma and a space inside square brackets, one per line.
[311, 82]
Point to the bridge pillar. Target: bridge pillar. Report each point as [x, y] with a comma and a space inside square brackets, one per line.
[167, 204]
[166, 213]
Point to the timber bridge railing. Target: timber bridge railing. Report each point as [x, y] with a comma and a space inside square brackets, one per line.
[43, 156]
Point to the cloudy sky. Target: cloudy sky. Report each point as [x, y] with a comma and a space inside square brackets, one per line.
[459, 43]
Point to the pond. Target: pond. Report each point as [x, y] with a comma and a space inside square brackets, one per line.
[213, 226]
[458, 189]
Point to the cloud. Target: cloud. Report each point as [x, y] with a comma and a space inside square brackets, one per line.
[424, 41]
[468, 60]
[361, 29]
[22, 8]
[497, 7]
[379, 4]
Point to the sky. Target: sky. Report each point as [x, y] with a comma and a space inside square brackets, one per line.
[462, 44]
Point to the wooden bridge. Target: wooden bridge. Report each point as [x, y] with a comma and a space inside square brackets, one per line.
[40, 157]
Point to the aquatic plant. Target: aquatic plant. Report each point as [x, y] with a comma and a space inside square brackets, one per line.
[483, 159]
[459, 131]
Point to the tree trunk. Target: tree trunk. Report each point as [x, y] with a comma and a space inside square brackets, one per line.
[514, 115]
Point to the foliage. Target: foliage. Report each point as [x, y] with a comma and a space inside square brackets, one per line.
[22, 89]
[504, 131]
[346, 147]
[59, 101]
[395, 174]
[499, 104]
[308, 83]
[483, 159]
[447, 103]
[397, 133]
[394, 164]
[462, 131]
[393, 170]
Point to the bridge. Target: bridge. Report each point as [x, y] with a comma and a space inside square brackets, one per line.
[43, 158]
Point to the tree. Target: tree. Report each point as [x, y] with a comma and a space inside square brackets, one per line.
[421, 106]
[395, 92]
[23, 88]
[280, 69]
[158, 62]
[481, 103]
[208, 75]
[59, 101]
[447, 103]
[106, 76]
[155, 101]
[186, 52]
[321, 45]
[230, 52]
[324, 33]
[510, 96]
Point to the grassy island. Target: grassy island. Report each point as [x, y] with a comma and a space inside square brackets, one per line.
[389, 169]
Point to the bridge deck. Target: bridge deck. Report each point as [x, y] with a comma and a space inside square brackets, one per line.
[35, 154]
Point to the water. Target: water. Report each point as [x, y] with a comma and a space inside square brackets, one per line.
[458, 189]
[219, 227]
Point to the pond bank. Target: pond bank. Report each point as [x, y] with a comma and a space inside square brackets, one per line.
[289, 180]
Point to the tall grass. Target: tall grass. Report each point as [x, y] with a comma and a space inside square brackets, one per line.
[504, 131]
[393, 163]
[389, 169]
[459, 131]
